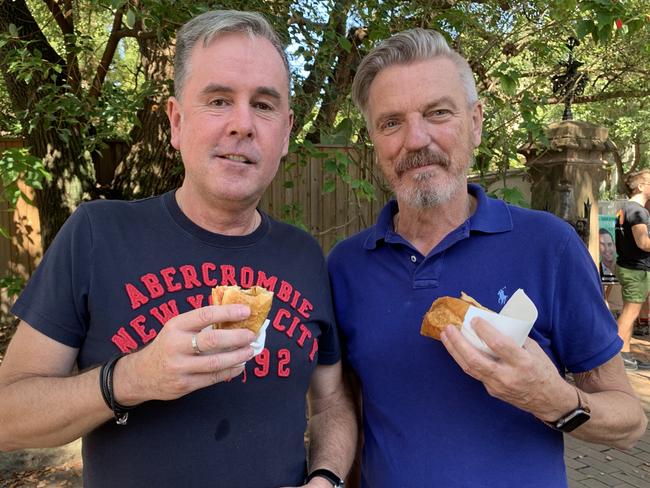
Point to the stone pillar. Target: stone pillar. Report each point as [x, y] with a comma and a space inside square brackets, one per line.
[566, 175]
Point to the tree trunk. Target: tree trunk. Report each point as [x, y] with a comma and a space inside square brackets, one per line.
[152, 166]
[72, 174]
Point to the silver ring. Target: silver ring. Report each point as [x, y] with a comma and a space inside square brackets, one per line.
[195, 345]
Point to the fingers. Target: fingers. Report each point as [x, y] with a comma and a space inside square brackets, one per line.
[474, 362]
[197, 319]
[222, 361]
[211, 340]
[503, 346]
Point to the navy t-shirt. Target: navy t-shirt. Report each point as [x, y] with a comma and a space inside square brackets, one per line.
[629, 255]
[117, 271]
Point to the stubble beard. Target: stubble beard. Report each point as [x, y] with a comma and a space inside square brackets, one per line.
[418, 190]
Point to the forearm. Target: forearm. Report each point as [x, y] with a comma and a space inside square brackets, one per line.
[617, 420]
[333, 435]
[50, 411]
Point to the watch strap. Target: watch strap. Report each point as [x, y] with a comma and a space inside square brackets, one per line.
[330, 476]
[573, 419]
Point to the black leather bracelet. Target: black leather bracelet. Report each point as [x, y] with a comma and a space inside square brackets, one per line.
[120, 412]
[330, 476]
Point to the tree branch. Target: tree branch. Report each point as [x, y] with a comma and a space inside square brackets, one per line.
[107, 56]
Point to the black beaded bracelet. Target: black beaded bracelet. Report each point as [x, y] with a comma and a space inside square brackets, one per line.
[106, 385]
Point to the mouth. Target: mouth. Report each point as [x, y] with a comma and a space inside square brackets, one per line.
[236, 158]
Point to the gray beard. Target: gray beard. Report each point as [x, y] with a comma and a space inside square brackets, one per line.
[423, 196]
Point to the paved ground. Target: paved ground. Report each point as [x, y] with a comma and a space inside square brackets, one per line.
[594, 466]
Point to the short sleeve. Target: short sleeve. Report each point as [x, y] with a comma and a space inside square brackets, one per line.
[54, 300]
[585, 334]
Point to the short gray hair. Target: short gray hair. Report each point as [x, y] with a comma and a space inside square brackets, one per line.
[633, 180]
[207, 26]
[408, 47]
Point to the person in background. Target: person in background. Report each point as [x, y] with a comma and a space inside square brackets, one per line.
[607, 254]
[125, 285]
[445, 414]
[633, 260]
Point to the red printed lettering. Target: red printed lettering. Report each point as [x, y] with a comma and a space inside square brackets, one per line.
[284, 357]
[190, 278]
[124, 341]
[306, 333]
[246, 277]
[227, 275]
[314, 349]
[152, 284]
[282, 314]
[263, 360]
[165, 312]
[197, 300]
[266, 282]
[206, 269]
[305, 308]
[137, 324]
[284, 293]
[294, 300]
[168, 278]
[136, 297]
[292, 328]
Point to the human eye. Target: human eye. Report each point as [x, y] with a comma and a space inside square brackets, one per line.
[218, 102]
[388, 124]
[263, 106]
[437, 113]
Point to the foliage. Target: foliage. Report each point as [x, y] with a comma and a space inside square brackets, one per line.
[80, 74]
[18, 166]
[13, 284]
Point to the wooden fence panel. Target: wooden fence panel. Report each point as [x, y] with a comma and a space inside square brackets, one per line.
[19, 254]
[331, 216]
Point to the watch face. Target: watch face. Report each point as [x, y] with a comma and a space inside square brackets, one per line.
[573, 420]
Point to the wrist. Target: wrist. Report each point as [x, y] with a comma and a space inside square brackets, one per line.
[125, 391]
[564, 400]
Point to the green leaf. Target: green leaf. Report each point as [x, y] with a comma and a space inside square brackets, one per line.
[345, 43]
[13, 30]
[130, 19]
[288, 184]
[329, 186]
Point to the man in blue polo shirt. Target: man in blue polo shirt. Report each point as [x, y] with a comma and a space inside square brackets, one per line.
[443, 414]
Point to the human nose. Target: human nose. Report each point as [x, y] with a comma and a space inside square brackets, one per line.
[241, 122]
[417, 135]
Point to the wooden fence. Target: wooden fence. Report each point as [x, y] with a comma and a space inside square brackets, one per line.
[296, 195]
[21, 252]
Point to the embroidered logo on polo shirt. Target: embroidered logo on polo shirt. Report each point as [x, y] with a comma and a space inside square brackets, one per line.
[502, 297]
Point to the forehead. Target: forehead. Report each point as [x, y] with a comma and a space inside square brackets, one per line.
[409, 86]
[238, 60]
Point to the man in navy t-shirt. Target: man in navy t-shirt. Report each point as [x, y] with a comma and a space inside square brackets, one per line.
[126, 285]
[443, 413]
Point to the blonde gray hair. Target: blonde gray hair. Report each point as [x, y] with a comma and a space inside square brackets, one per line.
[207, 26]
[408, 47]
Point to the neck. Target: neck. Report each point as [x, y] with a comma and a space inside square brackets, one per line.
[639, 198]
[225, 218]
[424, 228]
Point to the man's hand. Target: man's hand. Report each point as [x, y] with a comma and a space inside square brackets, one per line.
[316, 482]
[522, 376]
[169, 368]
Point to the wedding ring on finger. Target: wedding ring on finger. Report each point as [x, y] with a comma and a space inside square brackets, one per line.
[195, 345]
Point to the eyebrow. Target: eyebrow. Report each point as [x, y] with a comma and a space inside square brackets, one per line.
[261, 90]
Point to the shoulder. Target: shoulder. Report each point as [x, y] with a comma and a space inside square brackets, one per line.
[352, 246]
[291, 236]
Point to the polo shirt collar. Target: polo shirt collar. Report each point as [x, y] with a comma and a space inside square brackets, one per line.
[492, 216]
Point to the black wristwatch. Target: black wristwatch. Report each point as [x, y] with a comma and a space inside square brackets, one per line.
[573, 419]
[328, 475]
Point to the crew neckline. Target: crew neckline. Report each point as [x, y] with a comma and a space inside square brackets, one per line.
[213, 238]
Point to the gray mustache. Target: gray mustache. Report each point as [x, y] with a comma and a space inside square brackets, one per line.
[418, 159]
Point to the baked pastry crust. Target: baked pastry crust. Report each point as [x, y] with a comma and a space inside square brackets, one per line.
[445, 311]
[257, 298]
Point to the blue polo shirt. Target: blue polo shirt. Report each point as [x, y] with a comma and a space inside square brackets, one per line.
[426, 422]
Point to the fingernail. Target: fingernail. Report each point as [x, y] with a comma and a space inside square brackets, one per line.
[242, 311]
